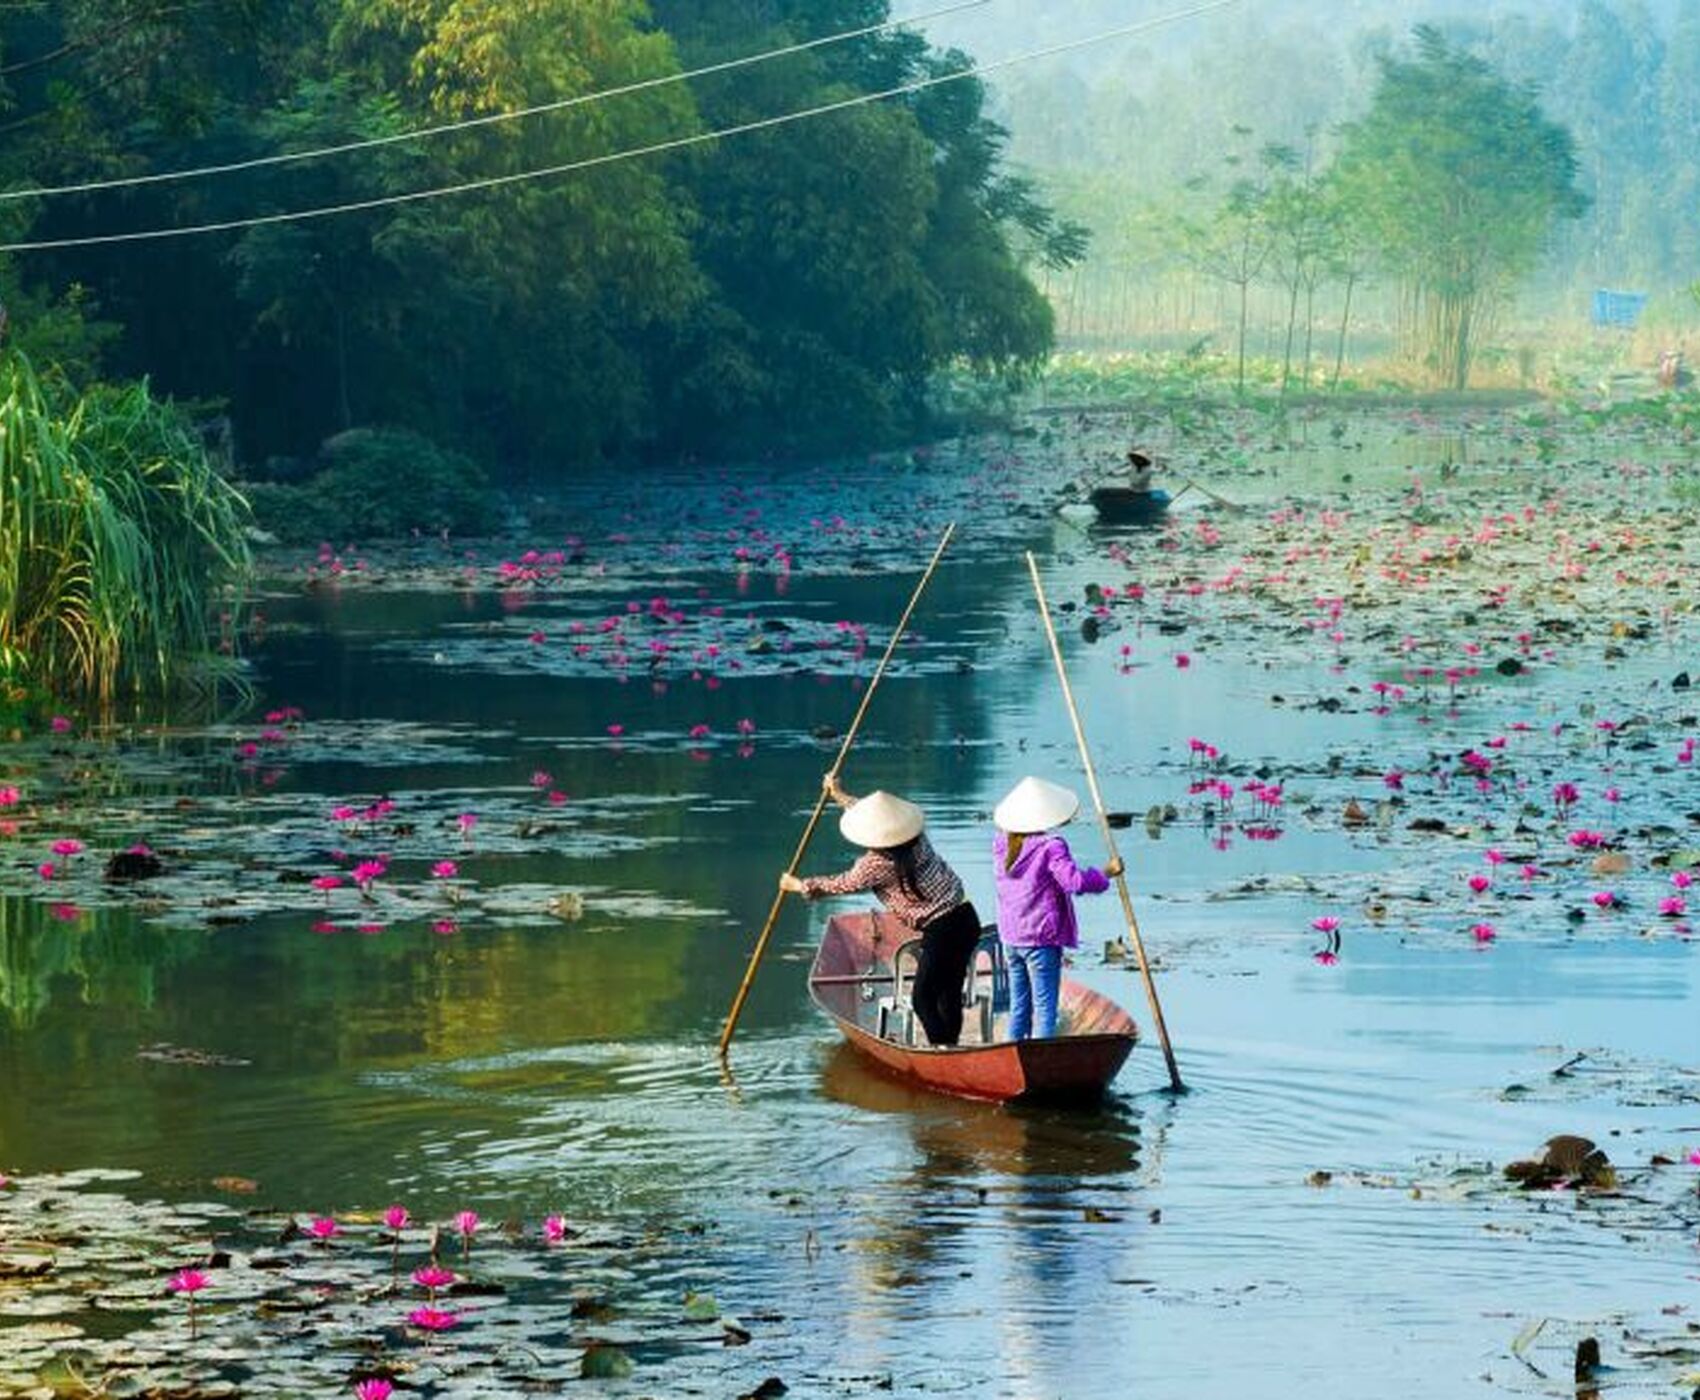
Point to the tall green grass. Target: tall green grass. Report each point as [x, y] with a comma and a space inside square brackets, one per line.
[120, 544]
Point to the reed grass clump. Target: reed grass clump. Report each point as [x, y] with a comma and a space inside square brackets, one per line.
[122, 549]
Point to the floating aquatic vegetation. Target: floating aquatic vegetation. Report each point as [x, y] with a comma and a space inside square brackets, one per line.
[105, 1293]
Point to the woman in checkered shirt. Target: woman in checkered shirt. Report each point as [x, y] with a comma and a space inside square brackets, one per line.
[901, 868]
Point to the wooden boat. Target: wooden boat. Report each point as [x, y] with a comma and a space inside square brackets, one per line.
[1122, 505]
[862, 976]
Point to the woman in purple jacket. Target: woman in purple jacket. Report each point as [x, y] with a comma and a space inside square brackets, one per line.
[1037, 879]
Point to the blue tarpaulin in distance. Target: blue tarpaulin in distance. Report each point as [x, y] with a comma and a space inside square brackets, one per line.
[1618, 308]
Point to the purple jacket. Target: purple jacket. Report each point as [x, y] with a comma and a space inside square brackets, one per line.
[1034, 905]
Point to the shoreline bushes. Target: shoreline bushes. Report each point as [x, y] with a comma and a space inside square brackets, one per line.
[120, 543]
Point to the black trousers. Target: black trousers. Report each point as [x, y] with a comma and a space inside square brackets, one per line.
[947, 945]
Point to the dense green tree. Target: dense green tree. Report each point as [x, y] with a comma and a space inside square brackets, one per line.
[1462, 177]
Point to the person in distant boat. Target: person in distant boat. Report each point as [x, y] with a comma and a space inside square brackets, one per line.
[1037, 880]
[901, 868]
[1140, 470]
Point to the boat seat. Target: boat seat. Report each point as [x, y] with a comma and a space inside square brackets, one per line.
[985, 991]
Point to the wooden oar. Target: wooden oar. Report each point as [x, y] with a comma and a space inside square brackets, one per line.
[1104, 822]
[1222, 501]
[731, 1025]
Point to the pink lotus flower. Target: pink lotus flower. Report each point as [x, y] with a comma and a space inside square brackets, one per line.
[373, 1388]
[1182, 660]
[466, 821]
[367, 871]
[344, 814]
[540, 779]
[397, 1218]
[445, 870]
[67, 847]
[9, 797]
[445, 926]
[1393, 779]
[1681, 879]
[1694, 1159]
[1529, 872]
[1605, 899]
[466, 1225]
[327, 882]
[433, 1277]
[616, 730]
[557, 799]
[1480, 883]
[554, 1229]
[189, 1282]
[1494, 857]
[323, 1228]
[1325, 923]
[1673, 906]
[1483, 933]
[433, 1319]
[59, 724]
[47, 870]
[700, 731]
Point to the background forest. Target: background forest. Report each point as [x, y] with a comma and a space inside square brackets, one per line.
[1143, 141]
[1221, 177]
[791, 287]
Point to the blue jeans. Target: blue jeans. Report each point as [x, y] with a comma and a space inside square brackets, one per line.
[1034, 974]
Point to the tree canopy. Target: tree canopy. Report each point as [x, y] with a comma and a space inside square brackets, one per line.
[1460, 177]
[793, 287]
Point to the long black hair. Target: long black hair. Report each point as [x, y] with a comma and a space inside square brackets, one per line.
[907, 859]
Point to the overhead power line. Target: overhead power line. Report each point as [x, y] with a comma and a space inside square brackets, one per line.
[487, 119]
[490, 182]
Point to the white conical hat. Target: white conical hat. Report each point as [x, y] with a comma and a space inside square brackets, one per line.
[1035, 805]
[880, 821]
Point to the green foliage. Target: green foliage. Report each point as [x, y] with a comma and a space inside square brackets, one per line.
[796, 288]
[1460, 178]
[379, 483]
[118, 540]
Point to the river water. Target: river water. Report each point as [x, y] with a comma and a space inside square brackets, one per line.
[875, 1239]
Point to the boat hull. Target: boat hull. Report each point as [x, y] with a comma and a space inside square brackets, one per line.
[856, 953]
[1122, 504]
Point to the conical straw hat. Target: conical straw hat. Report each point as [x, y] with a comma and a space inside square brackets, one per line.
[1035, 805]
[880, 821]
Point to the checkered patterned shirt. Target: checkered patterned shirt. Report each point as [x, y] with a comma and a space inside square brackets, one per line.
[938, 888]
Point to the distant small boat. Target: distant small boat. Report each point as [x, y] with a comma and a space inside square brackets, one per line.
[1124, 505]
[861, 978]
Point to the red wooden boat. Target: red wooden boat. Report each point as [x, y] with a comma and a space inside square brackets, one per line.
[861, 978]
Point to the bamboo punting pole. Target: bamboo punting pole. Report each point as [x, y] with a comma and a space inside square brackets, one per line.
[1104, 823]
[731, 1025]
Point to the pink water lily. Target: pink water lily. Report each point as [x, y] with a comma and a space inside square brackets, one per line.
[67, 846]
[367, 871]
[10, 796]
[1325, 923]
[187, 1283]
[373, 1388]
[433, 1319]
[433, 1277]
[1483, 933]
[554, 1229]
[1673, 906]
[1681, 879]
[1480, 884]
[59, 724]
[466, 1225]
[397, 1218]
[323, 1228]
[445, 870]
[1605, 899]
